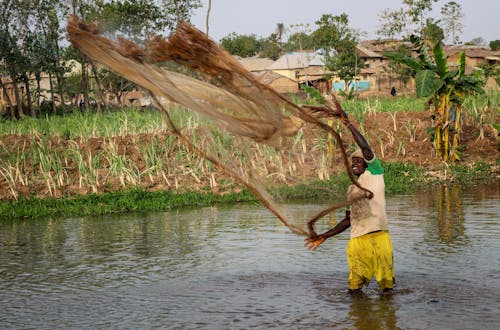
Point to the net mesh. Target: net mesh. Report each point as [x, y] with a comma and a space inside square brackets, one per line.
[245, 128]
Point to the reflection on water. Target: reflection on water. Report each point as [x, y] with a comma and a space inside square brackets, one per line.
[237, 267]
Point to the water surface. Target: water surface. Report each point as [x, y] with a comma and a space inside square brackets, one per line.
[237, 268]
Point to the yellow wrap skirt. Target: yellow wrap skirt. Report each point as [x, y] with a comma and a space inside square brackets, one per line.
[368, 256]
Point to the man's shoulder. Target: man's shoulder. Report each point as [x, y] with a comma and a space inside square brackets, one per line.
[375, 166]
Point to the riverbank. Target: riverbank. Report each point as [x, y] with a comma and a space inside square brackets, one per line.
[122, 161]
[401, 178]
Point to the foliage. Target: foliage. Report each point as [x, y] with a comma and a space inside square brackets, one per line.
[402, 71]
[299, 41]
[32, 37]
[334, 34]
[241, 45]
[314, 94]
[445, 88]
[493, 71]
[135, 19]
[452, 20]
[400, 178]
[410, 17]
[113, 202]
[432, 33]
[271, 47]
[299, 38]
[479, 41]
[495, 45]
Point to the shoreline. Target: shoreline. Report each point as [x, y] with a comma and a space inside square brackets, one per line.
[400, 178]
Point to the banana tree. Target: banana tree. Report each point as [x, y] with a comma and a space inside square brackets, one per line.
[445, 86]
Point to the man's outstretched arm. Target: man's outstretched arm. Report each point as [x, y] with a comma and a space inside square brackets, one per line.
[361, 142]
[314, 242]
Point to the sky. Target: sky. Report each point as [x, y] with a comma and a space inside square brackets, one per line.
[260, 17]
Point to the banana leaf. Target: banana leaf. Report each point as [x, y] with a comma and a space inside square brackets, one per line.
[406, 60]
[440, 58]
[427, 83]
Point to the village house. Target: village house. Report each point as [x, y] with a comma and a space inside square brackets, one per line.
[292, 69]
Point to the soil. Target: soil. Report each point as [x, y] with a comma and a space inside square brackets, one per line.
[400, 136]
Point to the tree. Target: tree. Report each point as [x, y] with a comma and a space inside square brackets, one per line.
[135, 19]
[339, 42]
[452, 21]
[241, 45]
[479, 41]
[176, 10]
[13, 29]
[271, 47]
[445, 89]
[300, 38]
[403, 72]
[409, 19]
[432, 33]
[393, 23]
[208, 15]
[495, 45]
[280, 31]
[299, 41]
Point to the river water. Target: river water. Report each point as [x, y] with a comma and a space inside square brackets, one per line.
[236, 267]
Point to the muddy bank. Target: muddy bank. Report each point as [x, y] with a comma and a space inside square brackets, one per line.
[101, 164]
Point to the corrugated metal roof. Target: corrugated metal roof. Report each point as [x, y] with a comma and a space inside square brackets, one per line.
[365, 52]
[298, 60]
[313, 71]
[267, 77]
[255, 63]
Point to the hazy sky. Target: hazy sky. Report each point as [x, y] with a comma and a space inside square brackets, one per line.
[482, 17]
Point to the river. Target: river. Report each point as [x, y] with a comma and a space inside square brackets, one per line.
[236, 267]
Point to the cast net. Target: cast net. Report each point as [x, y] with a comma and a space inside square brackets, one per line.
[221, 112]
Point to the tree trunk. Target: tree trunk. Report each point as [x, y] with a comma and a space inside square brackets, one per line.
[19, 101]
[7, 97]
[52, 97]
[38, 92]
[447, 129]
[60, 90]
[29, 101]
[99, 94]
[85, 86]
[208, 14]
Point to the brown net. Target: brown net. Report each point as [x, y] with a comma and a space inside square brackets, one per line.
[257, 120]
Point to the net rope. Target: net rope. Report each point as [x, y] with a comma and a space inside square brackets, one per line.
[221, 89]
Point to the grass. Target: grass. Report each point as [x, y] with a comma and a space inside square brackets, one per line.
[114, 202]
[400, 178]
[87, 124]
[29, 166]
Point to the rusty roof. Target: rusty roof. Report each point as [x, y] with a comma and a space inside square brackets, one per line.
[255, 63]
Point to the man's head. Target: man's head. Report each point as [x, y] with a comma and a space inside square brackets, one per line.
[358, 163]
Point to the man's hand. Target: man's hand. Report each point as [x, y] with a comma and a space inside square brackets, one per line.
[342, 116]
[314, 242]
[338, 112]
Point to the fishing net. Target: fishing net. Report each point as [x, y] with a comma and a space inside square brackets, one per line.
[228, 117]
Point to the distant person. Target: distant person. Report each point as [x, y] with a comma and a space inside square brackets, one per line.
[393, 91]
[369, 251]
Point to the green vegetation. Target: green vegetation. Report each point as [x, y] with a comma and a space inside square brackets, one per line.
[51, 156]
[445, 87]
[87, 124]
[114, 202]
[400, 178]
[373, 105]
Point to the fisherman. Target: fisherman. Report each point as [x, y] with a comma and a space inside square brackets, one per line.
[369, 251]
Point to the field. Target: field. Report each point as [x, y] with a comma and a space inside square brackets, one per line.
[87, 153]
